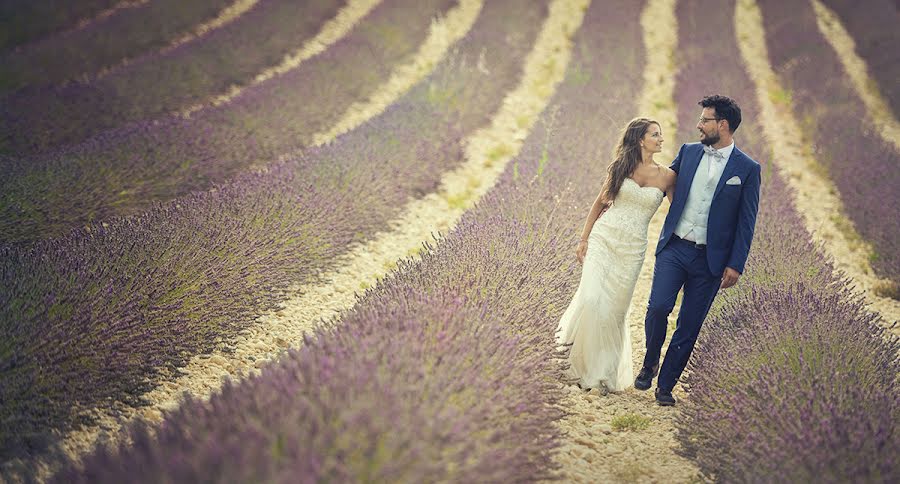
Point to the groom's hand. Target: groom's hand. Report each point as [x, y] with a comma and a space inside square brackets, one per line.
[729, 278]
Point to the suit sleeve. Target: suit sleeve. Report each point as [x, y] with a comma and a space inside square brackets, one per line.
[676, 164]
[746, 221]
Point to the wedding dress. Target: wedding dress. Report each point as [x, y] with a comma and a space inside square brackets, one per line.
[594, 323]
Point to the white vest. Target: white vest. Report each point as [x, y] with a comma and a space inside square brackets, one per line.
[692, 224]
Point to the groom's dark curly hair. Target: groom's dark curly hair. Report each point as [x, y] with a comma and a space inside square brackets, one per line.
[725, 108]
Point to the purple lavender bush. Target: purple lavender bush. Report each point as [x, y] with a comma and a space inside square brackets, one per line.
[795, 380]
[124, 171]
[860, 163]
[124, 34]
[873, 26]
[798, 384]
[792, 379]
[446, 369]
[155, 84]
[434, 391]
[22, 22]
[185, 277]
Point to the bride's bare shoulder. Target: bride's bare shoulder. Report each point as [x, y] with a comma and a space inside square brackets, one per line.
[669, 175]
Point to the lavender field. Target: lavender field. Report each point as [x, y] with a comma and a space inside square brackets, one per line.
[143, 250]
[104, 42]
[23, 22]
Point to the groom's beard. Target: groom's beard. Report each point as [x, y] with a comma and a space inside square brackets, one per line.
[710, 139]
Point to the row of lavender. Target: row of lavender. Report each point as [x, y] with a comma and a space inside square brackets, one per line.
[445, 371]
[102, 316]
[792, 380]
[158, 83]
[124, 34]
[22, 22]
[864, 167]
[125, 170]
[873, 26]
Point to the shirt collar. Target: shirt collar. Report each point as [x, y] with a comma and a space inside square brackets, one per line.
[726, 151]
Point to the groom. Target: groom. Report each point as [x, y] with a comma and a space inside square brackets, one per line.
[704, 242]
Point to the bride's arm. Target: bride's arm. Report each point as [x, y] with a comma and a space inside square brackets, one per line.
[597, 210]
[670, 184]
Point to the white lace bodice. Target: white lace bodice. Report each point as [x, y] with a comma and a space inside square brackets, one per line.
[632, 209]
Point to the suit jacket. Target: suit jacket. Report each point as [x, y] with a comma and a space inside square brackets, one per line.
[732, 215]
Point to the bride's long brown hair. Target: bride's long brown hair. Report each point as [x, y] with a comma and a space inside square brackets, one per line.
[626, 157]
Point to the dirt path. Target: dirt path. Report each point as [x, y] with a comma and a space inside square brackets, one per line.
[626, 437]
[815, 196]
[365, 265]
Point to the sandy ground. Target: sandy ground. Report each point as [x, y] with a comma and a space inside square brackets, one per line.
[365, 265]
[597, 450]
[815, 196]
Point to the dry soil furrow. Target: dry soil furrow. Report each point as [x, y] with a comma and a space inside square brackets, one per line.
[226, 16]
[99, 16]
[858, 72]
[443, 34]
[815, 196]
[606, 437]
[366, 264]
[331, 32]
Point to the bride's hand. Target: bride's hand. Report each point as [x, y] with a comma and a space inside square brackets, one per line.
[581, 251]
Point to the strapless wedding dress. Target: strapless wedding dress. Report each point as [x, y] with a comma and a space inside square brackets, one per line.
[594, 324]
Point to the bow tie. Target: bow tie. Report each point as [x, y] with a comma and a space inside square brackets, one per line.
[712, 152]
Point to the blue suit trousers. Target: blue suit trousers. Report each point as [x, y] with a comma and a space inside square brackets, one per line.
[680, 264]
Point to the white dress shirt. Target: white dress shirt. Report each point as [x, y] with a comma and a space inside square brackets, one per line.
[692, 224]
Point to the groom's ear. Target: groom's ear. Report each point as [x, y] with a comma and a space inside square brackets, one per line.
[728, 125]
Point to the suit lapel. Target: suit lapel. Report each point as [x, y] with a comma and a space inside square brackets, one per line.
[730, 168]
[693, 164]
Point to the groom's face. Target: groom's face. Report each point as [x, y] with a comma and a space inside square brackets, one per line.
[709, 127]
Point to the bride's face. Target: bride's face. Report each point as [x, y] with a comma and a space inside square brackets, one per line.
[653, 139]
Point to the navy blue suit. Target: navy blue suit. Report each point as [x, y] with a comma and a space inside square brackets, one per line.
[679, 263]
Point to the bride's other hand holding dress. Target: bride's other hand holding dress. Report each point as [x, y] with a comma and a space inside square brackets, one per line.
[581, 251]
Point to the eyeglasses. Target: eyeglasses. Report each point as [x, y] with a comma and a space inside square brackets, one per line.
[704, 120]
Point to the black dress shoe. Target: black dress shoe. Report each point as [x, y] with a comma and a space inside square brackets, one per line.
[645, 377]
[664, 398]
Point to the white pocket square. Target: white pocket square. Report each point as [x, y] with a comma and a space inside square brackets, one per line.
[735, 180]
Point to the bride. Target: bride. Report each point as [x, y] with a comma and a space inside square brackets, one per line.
[611, 252]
